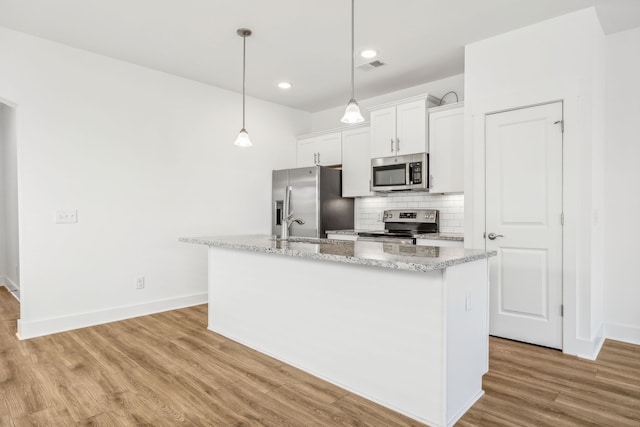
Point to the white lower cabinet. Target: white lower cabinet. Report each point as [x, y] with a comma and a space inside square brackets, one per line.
[323, 150]
[356, 163]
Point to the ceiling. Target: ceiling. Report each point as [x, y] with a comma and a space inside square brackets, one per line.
[306, 42]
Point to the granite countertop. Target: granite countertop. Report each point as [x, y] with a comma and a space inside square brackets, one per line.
[377, 254]
[442, 236]
[431, 236]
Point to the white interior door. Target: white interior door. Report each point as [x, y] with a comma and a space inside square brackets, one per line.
[523, 223]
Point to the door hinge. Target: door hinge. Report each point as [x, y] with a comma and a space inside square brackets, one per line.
[561, 310]
[561, 122]
[562, 218]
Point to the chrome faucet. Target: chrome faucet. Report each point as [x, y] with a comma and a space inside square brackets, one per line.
[287, 215]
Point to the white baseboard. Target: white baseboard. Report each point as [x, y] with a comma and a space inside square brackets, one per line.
[589, 349]
[6, 282]
[36, 328]
[624, 333]
[10, 284]
[464, 409]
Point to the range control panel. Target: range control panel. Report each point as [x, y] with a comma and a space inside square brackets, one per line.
[411, 215]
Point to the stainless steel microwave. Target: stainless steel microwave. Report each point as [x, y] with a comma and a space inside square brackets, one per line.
[400, 173]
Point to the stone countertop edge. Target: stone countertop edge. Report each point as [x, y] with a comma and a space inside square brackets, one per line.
[258, 243]
[430, 236]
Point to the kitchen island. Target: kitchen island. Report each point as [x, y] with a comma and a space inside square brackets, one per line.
[405, 326]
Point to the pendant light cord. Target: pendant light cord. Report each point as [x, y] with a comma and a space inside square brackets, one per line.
[352, 48]
[244, 62]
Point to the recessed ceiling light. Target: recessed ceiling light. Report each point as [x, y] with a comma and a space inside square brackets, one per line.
[369, 53]
[284, 85]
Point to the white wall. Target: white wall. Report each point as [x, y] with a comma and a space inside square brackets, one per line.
[145, 157]
[9, 200]
[622, 175]
[3, 239]
[559, 59]
[330, 118]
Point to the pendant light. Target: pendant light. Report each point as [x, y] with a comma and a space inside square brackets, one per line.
[243, 137]
[352, 112]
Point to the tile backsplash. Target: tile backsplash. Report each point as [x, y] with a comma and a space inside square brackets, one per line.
[368, 210]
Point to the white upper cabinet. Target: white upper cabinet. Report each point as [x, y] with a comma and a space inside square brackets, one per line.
[356, 162]
[446, 148]
[323, 150]
[383, 132]
[400, 128]
[411, 127]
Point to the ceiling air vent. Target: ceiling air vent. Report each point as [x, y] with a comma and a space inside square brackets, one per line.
[371, 65]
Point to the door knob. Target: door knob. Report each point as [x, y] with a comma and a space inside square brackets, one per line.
[493, 236]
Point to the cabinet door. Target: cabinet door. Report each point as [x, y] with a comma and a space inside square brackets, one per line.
[356, 163]
[411, 127]
[446, 150]
[329, 149]
[306, 152]
[383, 132]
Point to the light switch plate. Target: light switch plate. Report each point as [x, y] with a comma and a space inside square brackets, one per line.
[69, 216]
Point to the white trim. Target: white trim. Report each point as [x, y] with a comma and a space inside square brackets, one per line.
[10, 284]
[445, 107]
[625, 333]
[465, 408]
[13, 289]
[333, 130]
[589, 349]
[36, 328]
[428, 98]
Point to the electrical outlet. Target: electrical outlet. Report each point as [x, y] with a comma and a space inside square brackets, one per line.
[69, 216]
[140, 282]
[467, 302]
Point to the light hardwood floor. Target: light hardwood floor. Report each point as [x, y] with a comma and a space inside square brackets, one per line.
[167, 369]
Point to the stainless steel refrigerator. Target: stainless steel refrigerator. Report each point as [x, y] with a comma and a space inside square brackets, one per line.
[316, 198]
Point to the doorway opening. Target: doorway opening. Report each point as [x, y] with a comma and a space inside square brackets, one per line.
[9, 235]
[524, 222]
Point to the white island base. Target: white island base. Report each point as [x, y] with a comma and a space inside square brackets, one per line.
[413, 341]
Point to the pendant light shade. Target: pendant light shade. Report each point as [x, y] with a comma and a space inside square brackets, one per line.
[243, 137]
[352, 112]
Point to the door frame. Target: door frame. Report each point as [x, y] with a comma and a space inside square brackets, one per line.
[562, 191]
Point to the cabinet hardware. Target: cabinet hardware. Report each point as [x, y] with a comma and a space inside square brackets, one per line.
[561, 122]
[318, 157]
[392, 145]
[397, 144]
[315, 158]
[494, 236]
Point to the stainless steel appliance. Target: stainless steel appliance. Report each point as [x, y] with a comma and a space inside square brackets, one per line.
[314, 196]
[404, 225]
[400, 173]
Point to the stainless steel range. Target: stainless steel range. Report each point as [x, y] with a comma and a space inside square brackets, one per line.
[404, 225]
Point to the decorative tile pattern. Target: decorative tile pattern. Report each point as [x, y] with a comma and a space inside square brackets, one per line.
[368, 210]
